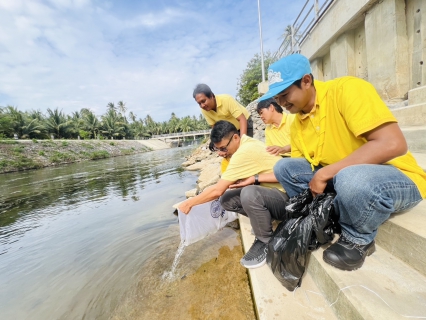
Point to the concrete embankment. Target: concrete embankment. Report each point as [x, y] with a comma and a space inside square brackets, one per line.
[17, 155]
[154, 144]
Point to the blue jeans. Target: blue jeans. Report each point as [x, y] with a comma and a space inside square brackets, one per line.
[367, 194]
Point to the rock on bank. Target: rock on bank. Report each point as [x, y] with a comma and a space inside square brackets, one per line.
[17, 155]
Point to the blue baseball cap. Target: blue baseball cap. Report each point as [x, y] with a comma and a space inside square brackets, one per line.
[283, 73]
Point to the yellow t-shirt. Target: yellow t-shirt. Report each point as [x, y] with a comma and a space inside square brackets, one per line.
[224, 165]
[227, 108]
[345, 109]
[251, 158]
[279, 136]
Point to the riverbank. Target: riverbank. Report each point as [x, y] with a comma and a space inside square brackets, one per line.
[19, 155]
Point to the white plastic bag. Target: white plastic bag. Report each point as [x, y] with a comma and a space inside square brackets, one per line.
[203, 220]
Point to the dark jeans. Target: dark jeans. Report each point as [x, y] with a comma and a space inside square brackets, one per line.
[260, 204]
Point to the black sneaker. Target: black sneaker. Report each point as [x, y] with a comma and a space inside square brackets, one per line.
[256, 256]
[346, 255]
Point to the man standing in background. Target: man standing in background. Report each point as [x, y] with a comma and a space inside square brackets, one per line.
[222, 107]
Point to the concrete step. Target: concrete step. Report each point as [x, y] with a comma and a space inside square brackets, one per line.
[404, 236]
[273, 301]
[416, 137]
[384, 288]
[411, 115]
[390, 285]
[421, 159]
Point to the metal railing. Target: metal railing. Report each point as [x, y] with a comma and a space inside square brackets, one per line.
[181, 134]
[306, 20]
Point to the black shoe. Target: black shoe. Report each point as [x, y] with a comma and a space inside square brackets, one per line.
[346, 255]
[256, 256]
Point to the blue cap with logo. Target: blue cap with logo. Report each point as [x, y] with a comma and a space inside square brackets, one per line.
[283, 73]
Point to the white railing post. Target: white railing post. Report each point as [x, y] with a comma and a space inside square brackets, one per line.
[316, 9]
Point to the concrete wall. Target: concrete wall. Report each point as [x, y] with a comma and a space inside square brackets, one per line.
[381, 41]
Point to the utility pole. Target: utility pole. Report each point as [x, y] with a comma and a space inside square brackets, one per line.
[261, 42]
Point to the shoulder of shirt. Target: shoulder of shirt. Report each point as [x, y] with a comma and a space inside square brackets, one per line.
[224, 96]
[342, 81]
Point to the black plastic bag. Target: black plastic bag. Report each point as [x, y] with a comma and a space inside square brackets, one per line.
[312, 223]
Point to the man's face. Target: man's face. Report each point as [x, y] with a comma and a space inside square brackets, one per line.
[205, 103]
[266, 114]
[227, 146]
[295, 99]
[292, 99]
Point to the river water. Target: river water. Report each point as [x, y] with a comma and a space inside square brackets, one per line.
[74, 238]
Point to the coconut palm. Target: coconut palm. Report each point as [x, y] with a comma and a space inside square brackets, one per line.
[112, 124]
[111, 106]
[91, 123]
[186, 124]
[57, 123]
[32, 129]
[132, 116]
[122, 108]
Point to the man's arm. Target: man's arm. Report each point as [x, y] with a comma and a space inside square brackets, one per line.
[384, 143]
[263, 177]
[277, 150]
[243, 124]
[210, 193]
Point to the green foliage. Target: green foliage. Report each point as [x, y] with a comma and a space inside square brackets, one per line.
[64, 143]
[99, 155]
[87, 145]
[126, 151]
[84, 134]
[19, 163]
[58, 157]
[41, 153]
[19, 149]
[8, 142]
[84, 123]
[112, 143]
[251, 77]
[35, 140]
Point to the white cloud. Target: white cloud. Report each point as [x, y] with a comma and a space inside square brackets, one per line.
[74, 54]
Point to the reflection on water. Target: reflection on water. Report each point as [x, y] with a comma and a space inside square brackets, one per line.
[73, 238]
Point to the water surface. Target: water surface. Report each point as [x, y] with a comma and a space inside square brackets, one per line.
[73, 238]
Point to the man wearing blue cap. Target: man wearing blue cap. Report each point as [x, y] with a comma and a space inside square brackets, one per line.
[344, 139]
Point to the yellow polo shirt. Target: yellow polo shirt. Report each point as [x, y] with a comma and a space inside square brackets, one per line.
[279, 136]
[251, 158]
[345, 109]
[227, 108]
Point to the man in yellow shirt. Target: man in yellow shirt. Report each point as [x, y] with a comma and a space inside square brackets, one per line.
[345, 139]
[277, 131]
[222, 107]
[261, 201]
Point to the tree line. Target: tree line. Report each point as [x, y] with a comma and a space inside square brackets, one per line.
[114, 124]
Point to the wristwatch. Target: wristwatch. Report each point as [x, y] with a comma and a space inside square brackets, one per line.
[256, 179]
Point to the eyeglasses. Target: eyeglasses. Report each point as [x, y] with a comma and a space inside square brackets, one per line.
[225, 148]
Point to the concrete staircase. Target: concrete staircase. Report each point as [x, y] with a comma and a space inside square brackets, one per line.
[390, 285]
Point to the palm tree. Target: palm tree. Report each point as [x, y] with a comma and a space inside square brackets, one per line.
[32, 128]
[186, 124]
[122, 108]
[17, 119]
[111, 106]
[139, 130]
[56, 123]
[91, 123]
[112, 124]
[132, 116]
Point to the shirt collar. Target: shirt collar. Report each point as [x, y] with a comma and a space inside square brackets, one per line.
[321, 89]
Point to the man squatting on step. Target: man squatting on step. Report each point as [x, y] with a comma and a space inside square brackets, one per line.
[344, 139]
[261, 203]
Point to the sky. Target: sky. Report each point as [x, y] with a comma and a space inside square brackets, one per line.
[74, 54]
